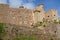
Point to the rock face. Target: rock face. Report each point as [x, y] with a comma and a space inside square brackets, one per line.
[13, 31]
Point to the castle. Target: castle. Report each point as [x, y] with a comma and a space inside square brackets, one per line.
[24, 16]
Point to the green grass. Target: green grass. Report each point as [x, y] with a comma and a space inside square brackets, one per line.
[25, 38]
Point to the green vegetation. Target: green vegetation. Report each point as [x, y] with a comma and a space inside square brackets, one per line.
[55, 21]
[38, 24]
[1, 30]
[25, 38]
[59, 21]
[45, 21]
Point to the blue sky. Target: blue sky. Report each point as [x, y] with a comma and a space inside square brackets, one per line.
[48, 4]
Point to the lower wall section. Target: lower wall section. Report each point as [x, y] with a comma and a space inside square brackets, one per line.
[14, 31]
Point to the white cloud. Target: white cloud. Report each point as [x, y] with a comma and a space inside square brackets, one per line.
[29, 5]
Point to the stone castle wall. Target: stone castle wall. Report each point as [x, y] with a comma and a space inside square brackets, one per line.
[17, 16]
[20, 16]
[24, 16]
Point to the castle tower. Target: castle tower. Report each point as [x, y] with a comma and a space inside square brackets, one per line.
[39, 13]
[51, 14]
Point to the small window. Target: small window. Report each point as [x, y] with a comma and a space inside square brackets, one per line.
[54, 31]
[39, 11]
[54, 15]
[44, 25]
[48, 16]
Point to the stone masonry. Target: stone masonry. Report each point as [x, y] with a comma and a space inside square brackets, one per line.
[25, 17]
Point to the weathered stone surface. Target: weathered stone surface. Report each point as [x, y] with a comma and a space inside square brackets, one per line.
[47, 33]
[23, 16]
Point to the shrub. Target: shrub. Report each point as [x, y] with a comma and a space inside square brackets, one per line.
[55, 21]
